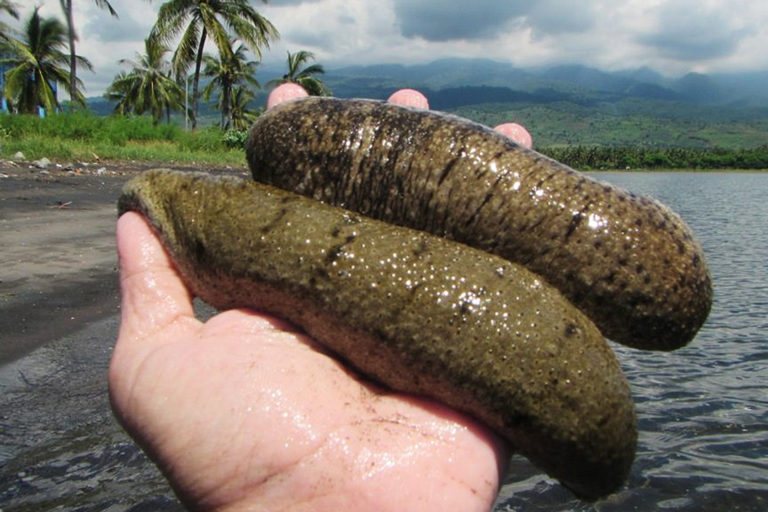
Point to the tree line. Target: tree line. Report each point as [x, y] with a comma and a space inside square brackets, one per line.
[635, 157]
[42, 55]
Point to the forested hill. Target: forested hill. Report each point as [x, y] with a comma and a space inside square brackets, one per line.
[575, 105]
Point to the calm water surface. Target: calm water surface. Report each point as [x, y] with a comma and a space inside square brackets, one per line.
[702, 411]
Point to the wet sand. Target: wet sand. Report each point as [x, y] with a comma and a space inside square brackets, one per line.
[58, 262]
[58, 256]
[60, 446]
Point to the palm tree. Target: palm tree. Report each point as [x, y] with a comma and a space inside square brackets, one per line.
[66, 6]
[201, 19]
[10, 8]
[242, 117]
[38, 63]
[225, 74]
[304, 77]
[121, 91]
[148, 87]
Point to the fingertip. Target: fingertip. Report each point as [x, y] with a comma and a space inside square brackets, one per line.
[409, 98]
[285, 92]
[152, 292]
[137, 246]
[516, 132]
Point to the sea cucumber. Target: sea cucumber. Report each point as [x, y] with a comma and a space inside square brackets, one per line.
[629, 262]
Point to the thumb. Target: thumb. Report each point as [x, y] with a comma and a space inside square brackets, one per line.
[152, 292]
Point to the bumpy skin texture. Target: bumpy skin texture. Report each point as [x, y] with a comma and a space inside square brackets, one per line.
[419, 313]
[628, 262]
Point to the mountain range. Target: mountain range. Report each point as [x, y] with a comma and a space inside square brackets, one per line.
[573, 104]
[576, 83]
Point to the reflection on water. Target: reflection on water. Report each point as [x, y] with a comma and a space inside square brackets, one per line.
[702, 411]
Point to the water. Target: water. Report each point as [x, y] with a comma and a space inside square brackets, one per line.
[702, 411]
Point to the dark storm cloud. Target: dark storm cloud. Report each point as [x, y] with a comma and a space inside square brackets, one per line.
[692, 46]
[437, 20]
[552, 17]
[687, 32]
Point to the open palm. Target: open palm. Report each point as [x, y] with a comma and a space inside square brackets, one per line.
[244, 411]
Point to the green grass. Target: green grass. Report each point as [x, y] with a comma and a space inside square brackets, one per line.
[82, 136]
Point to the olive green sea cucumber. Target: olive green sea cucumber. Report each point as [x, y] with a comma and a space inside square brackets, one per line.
[629, 262]
[417, 312]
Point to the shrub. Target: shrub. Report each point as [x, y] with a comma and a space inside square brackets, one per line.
[235, 139]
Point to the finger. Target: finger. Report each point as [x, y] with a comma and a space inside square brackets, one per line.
[409, 98]
[516, 132]
[285, 92]
[153, 295]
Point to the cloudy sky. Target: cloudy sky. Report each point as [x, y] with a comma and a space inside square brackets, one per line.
[670, 36]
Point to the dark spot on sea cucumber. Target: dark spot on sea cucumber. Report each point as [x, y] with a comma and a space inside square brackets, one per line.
[334, 253]
[447, 170]
[575, 221]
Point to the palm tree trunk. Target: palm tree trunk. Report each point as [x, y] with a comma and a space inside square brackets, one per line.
[226, 100]
[196, 80]
[67, 6]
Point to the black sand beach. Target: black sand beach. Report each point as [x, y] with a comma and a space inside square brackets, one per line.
[59, 262]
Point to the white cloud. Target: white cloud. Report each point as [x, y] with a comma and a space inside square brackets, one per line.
[671, 36]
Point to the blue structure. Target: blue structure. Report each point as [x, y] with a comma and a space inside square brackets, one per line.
[4, 102]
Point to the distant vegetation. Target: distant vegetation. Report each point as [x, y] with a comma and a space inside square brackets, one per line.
[595, 158]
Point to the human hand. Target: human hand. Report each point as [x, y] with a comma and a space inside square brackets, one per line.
[244, 412]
